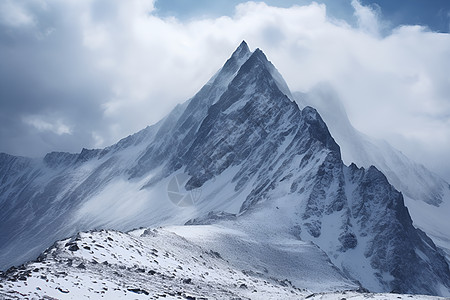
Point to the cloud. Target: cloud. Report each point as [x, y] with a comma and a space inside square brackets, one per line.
[109, 68]
[367, 18]
[41, 124]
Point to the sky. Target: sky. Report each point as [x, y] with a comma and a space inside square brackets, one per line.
[86, 73]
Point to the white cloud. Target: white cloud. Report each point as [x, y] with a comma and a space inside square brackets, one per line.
[43, 124]
[395, 87]
[367, 18]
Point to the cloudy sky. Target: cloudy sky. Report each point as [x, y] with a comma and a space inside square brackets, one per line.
[85, 73]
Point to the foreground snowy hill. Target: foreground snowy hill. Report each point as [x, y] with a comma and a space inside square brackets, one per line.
[159, 263]
[242, 155]
[156, 264]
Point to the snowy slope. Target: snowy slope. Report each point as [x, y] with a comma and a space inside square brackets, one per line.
[157, 263]
[112, 265]
[427, 196]
[142, 264]
[242, 154]
[432, 220]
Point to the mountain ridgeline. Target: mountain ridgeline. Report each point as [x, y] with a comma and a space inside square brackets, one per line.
[253, 158]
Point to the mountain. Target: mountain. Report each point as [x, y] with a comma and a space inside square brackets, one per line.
[413, 179]
[427, 196]
[261, 179]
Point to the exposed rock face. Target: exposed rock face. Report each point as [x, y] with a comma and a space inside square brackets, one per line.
[253, 153]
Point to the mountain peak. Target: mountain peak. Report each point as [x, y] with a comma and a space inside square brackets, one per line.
[258, 54]
[242, 47]
[260, 59]
[241, 52]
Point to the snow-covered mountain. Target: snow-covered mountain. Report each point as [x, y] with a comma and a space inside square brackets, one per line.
[262, 181]
[411, 178]
[427, 196]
